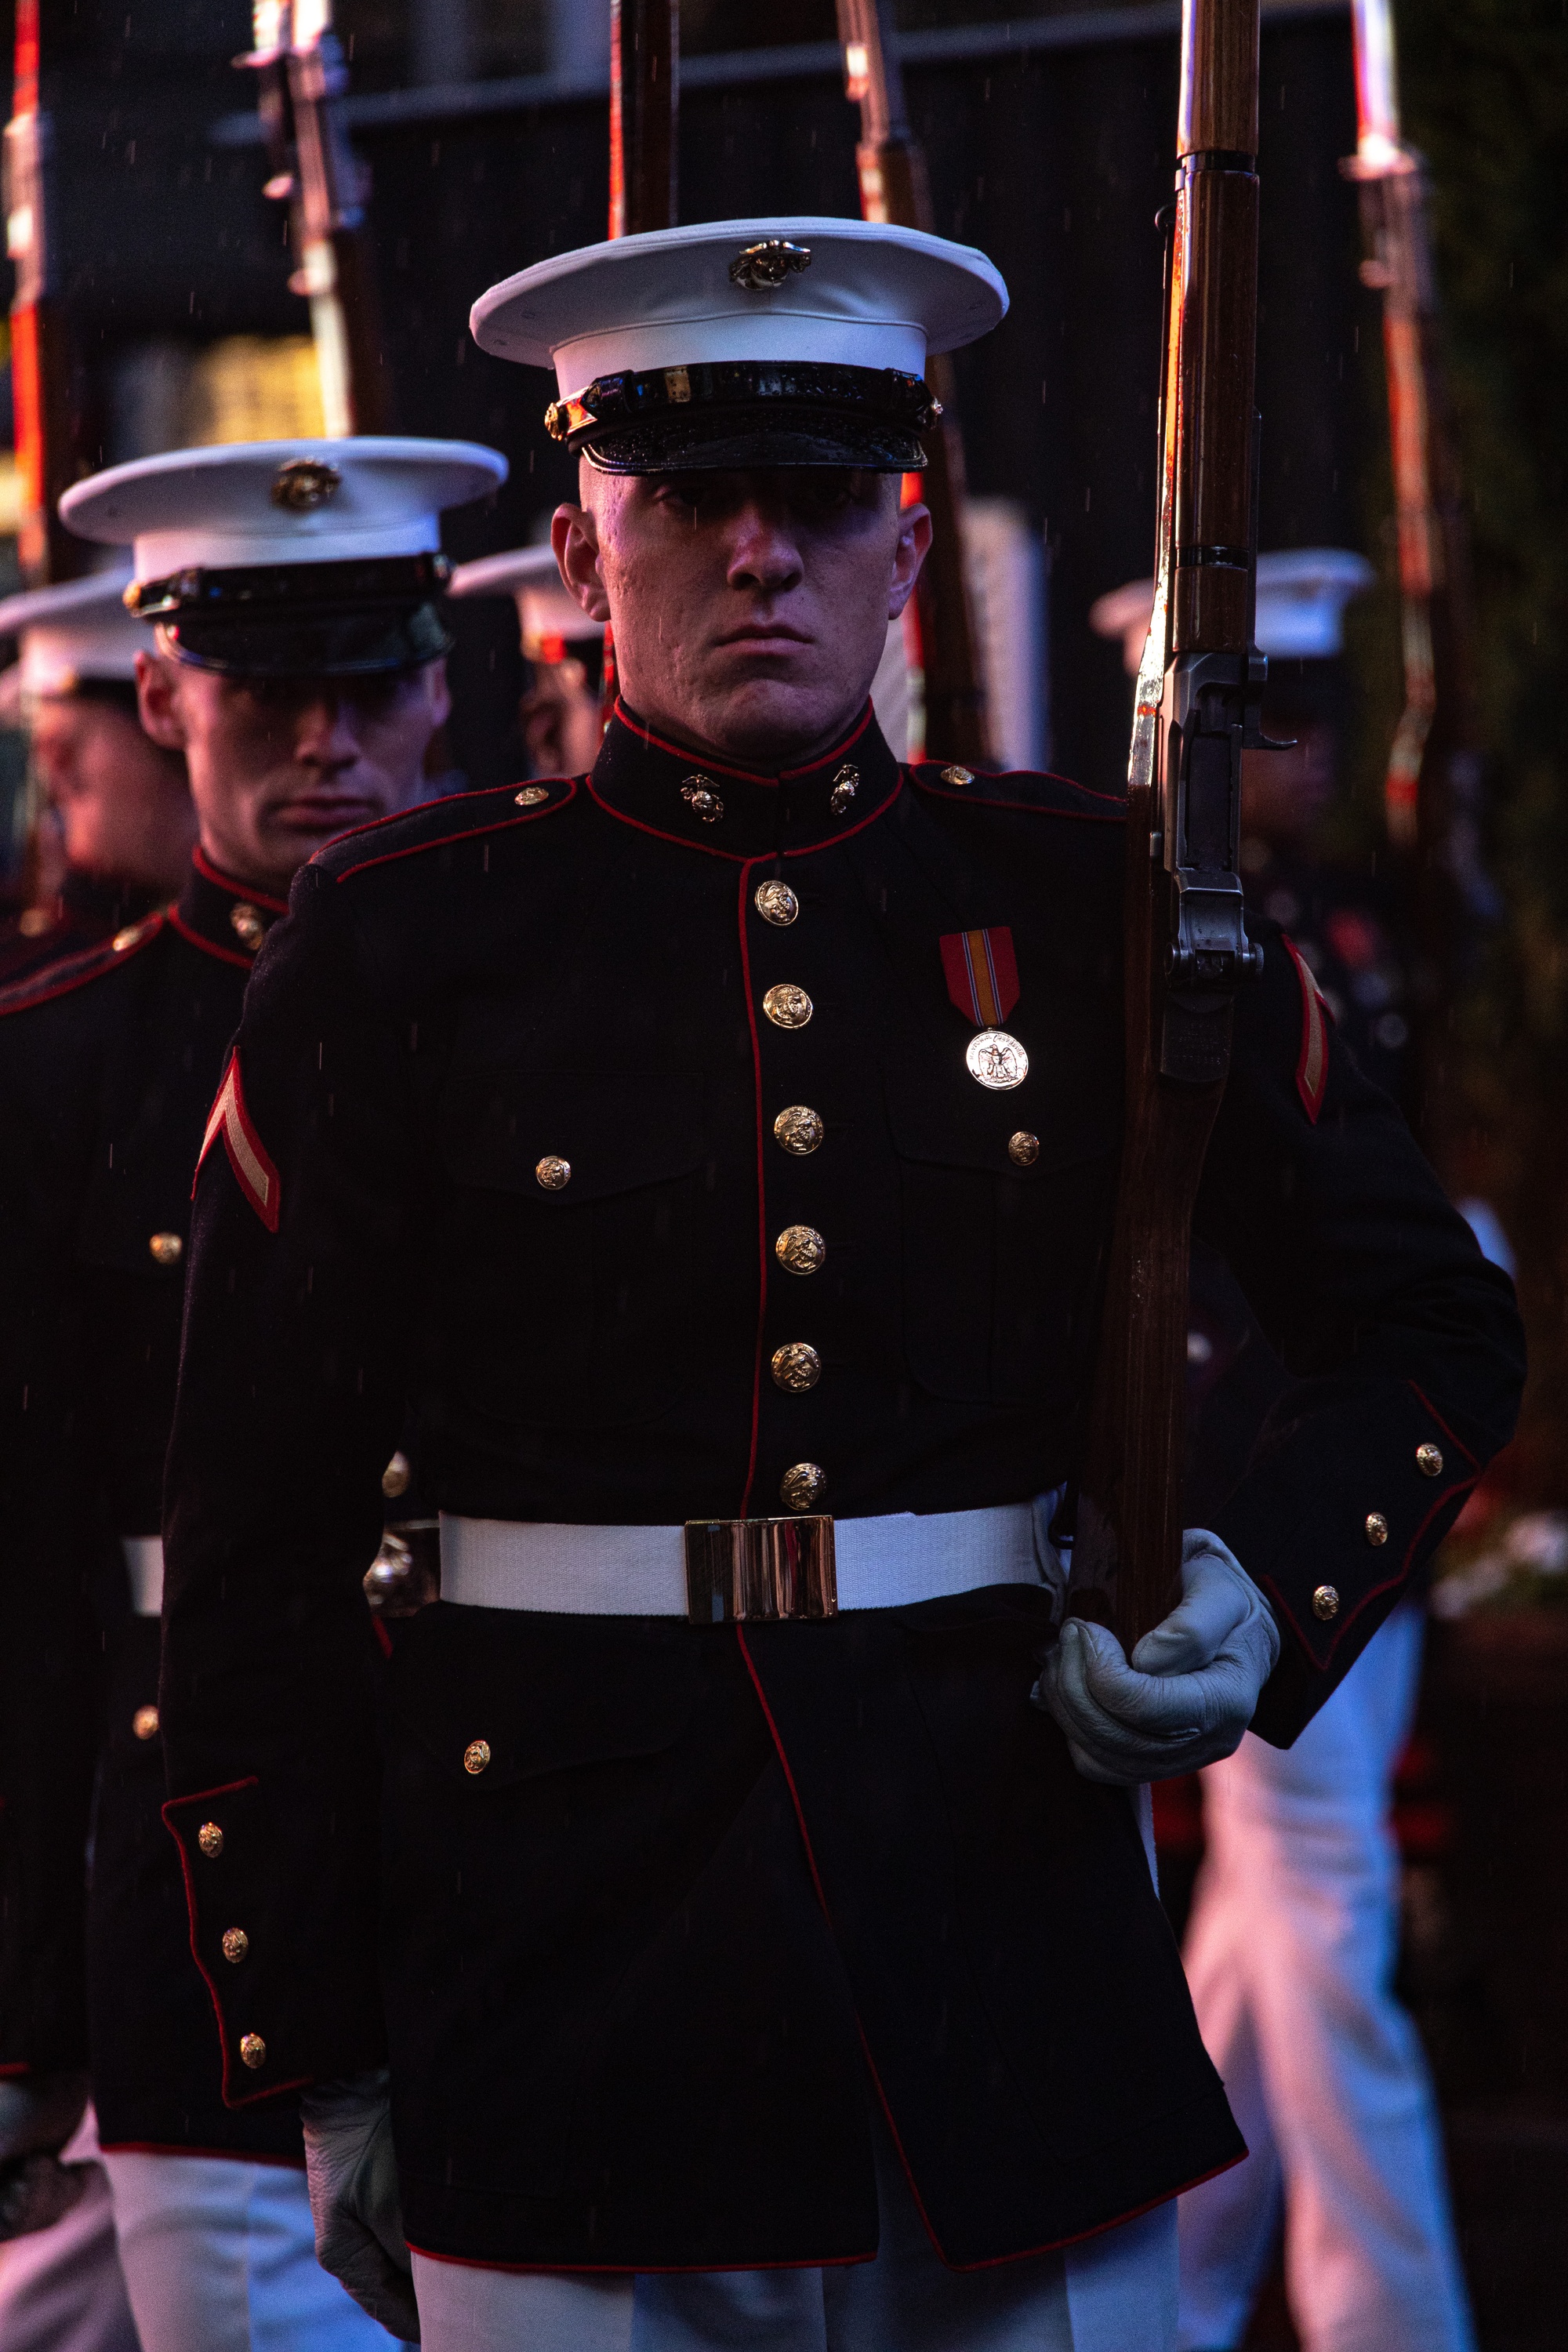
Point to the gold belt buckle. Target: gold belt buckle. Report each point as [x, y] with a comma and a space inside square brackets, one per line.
[737, 1569]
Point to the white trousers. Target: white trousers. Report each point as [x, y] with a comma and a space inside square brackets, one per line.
[219, 2255]
[1290, 1954]
[1116, 2292]
[62, 2289]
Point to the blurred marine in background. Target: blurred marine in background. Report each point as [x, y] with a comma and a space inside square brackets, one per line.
[298, 668]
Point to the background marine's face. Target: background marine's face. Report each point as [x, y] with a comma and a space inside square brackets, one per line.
[279, 766]
[122, 806]
[750, 609]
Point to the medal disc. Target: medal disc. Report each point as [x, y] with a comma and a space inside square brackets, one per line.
[998, 1060]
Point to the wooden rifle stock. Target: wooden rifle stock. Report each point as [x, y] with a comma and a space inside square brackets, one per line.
[894, 187]
[1199, 691]
[315, 172]
[40, 350]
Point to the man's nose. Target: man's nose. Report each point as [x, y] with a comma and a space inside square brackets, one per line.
[324, 732]
[763, 553]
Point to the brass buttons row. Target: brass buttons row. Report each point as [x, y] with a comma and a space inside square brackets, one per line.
[800, 1249]
[1376, 1529]
[1023, 1149]
[787, 1006]
[209, 1837]
[476, 1756]
[776, 902]
[553, 1174]
[234, 1944]
[253, 2050]
[144, 1723]
[167, 1249]
[1326, 1604]
[1429, 1461]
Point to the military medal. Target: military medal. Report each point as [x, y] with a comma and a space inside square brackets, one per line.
[982, 982]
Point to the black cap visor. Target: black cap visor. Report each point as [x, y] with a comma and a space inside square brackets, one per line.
[738, 413]
[302, 620]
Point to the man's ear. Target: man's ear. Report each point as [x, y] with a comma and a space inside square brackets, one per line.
[158, 702]
[437, 693]
[914, 547]
[575, 536]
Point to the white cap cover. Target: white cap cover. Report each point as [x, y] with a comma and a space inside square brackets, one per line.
[1302, 593]
[812, 332]
[240, 504]
[77, 630]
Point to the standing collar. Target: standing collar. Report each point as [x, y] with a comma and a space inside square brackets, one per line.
[743, 812]
[226, 918]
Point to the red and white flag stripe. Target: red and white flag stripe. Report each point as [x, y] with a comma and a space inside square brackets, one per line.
[247, 1156]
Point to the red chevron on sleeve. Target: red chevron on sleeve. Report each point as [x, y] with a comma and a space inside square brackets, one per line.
[1312, 1063]
[247, 1156]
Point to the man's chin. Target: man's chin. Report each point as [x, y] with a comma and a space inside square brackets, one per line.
[763, 721]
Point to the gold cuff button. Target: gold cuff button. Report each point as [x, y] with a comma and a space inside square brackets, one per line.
[209, 1837]
[958, 776]
[1429, 1461]
[803, 1487]
[800, 1249]
[552, 1173]
[776, 902]
[235, 1946]
[476, 1756]
[144, 1723]
[1376, 1528]
[253, 2050]
[787, 1006]
[531, 795]
[796, 1367]
[699, 796]
[1023, 1149]
[396, 1477]
[245, 921]
[167, 1249]
[1326, 1604]
[798, 1129]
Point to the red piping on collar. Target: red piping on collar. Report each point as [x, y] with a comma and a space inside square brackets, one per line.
[744, 775]
[210, 947]
[472, 833]
[211, 873]
[749, 856]
[1115, 803]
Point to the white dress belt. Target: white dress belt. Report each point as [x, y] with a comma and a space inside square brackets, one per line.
[144, 1567]
[586, 1571]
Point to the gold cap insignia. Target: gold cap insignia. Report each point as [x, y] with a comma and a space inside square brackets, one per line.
[302, 484]
[762, 268]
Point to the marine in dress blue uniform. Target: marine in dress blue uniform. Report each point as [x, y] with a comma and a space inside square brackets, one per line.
[110, 1061]
[714, 1159]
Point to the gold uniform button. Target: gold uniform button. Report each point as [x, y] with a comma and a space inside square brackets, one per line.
[960, 776]
[1023, 1149]
[235, 1946]
[802, 1486]
[699, 796]
[476, 1756]
[552, 1173]
[787, 1006]
[531, 795]
[1376, 1528]
[776, 902]
[796, 1367]
[798, 1129]
[253, 2050]
[132, 933]
[1429, 1461]
[1326, 1604]
[800, 1249]
[144, 1723]
[397, 1476]
[209, 1837]
[167, 1249]
[846, 784]
[245, 921]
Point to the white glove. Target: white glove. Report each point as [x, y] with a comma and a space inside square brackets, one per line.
[39, 2113]
[1193, 1684]
[352, 2176]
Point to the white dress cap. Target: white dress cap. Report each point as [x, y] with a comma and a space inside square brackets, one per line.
[870, 296]
[545, 606]
[1302, 593]
[240, 504]
[78, 630]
